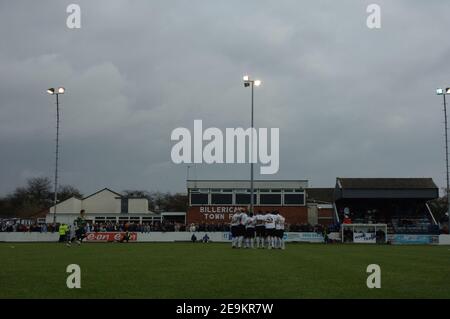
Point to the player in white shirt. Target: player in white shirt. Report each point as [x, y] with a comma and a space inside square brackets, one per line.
[250, 231]
[235, 221]
[241, 227]
[279, 231]
[260, 229]
[270, 229]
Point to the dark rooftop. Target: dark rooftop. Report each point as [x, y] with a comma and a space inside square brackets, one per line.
[387, 183]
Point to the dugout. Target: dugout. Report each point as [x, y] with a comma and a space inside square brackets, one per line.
[401, 203]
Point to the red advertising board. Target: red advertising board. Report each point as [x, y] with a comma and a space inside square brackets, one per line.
[108, 236]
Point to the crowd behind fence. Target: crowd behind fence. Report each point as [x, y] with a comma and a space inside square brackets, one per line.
[170, 226]
[165, 226]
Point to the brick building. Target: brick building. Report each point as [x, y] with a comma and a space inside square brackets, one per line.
[215, 201]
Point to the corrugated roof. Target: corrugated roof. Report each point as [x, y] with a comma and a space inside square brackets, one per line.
[387, 183]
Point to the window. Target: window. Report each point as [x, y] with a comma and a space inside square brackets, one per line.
[199, 199]
[221, 196]
[124, 205]
[244, 199]
[221, 199]
[294, 199]
[270, 199]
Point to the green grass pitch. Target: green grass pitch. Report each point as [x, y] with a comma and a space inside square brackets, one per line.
[186, 270]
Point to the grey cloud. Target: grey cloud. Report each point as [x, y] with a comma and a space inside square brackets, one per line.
[349, 101]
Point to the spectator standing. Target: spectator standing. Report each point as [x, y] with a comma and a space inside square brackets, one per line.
[62, 232]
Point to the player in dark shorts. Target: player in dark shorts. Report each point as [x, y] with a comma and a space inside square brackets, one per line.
[250, 231]
[279, 230]
[80, 231]
[260, 230]
[235, 221]
[80, 234]
[270, 229]
[279, 233]
[241, 227]
[234, 231]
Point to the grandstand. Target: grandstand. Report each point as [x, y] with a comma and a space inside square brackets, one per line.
[401, 203]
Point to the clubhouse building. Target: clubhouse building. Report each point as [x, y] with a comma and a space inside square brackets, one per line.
[216, 201]
[107, 205]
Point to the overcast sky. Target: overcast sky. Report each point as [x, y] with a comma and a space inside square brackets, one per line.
[349, 101]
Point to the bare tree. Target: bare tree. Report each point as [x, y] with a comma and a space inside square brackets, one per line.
[36, 196]
[68, 191]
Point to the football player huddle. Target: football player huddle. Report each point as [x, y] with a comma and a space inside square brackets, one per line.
[257, 231]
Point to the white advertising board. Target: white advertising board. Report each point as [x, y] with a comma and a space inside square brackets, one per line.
[364, 237]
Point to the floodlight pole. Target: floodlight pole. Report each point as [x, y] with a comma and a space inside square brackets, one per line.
[55, 200]
[248, 82]
[446, 157]
[252, 199]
